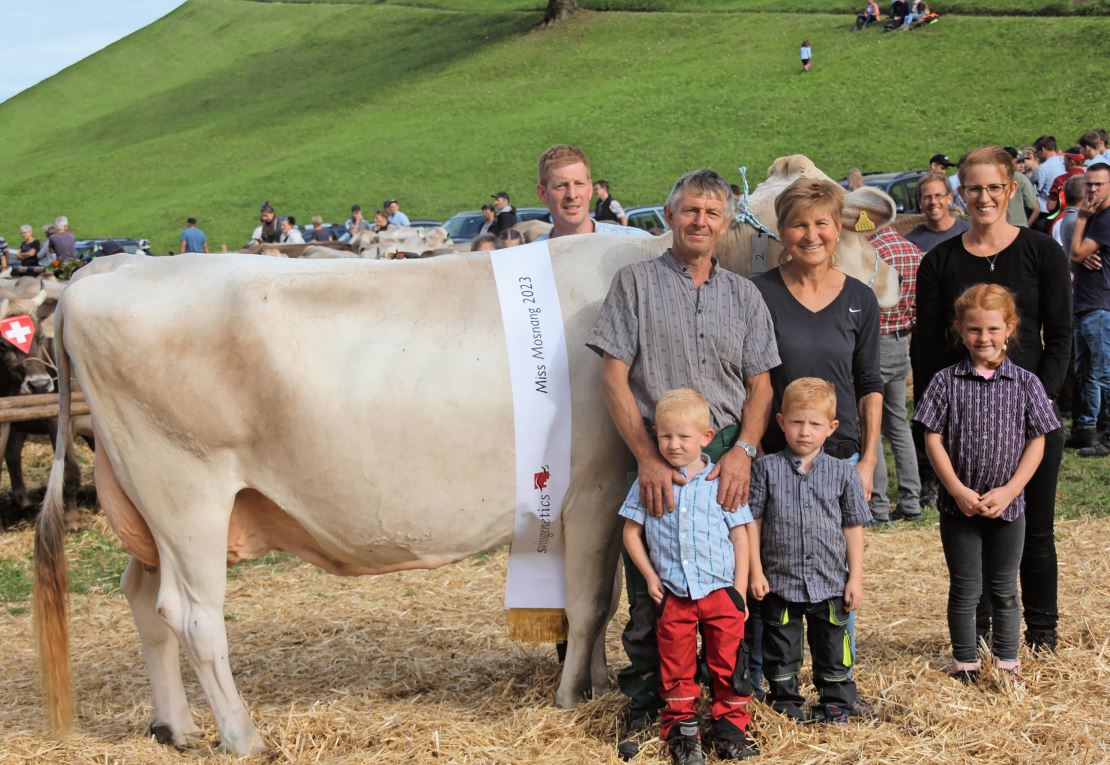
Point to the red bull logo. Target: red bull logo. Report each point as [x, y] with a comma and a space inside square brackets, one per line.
[540, 479]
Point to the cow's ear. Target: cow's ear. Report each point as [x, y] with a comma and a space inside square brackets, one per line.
[876, 205]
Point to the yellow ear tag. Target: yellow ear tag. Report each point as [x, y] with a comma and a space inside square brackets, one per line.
[864, 223]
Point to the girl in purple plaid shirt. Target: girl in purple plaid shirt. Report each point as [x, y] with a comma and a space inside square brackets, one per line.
[985, 419]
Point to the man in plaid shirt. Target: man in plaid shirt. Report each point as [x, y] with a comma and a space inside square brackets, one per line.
[895, 325]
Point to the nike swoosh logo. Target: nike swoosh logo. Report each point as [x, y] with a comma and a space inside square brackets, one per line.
[854, 310]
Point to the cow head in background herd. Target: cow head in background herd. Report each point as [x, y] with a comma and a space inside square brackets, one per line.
[30, 372]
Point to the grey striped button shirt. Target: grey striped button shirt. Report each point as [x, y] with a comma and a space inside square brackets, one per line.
[985, 423]
[689, 547]
[674, 336]
[802, 546]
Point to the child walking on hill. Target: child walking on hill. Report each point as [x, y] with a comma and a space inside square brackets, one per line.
[695, 564]
[985, 419]
[807, 56]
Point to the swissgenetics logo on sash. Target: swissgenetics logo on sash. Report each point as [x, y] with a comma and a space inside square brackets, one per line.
[536, 591]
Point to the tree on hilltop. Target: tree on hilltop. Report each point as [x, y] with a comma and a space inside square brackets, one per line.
[558, 11]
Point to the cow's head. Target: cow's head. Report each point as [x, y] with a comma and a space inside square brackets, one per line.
[20, 372]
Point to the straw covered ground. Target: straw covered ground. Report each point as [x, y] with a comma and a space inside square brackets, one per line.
[415, 667]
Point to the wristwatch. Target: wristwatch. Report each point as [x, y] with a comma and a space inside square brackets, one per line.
[747, 448]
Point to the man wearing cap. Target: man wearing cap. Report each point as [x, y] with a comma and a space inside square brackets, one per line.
[564, 185]
[396, 217]
[192, 238]
[267, 230]
[1073, 165]
[939, 163]
[504, 215]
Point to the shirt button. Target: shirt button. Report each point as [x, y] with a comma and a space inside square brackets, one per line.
[684, 560]
[684, 509]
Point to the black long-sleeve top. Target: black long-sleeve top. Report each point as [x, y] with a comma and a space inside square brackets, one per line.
[1034, 268]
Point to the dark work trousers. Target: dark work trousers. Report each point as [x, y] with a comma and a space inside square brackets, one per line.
[827, 625]
[982, 556]
[1038, 559]
[639, 680]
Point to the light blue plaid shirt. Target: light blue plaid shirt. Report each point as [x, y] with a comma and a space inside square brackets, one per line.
[689, 548]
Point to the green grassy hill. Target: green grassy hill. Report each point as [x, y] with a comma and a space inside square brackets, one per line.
[314, 106]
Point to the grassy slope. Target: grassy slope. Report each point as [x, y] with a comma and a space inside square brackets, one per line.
[225, 103]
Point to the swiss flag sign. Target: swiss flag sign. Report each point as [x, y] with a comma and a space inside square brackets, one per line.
[19, 331]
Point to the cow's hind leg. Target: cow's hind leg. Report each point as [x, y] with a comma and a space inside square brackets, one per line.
[191, 600]
[589, 576]
[173, 722]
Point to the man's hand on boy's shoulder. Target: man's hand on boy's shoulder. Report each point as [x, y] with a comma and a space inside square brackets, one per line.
[733, 473]
[657, 479]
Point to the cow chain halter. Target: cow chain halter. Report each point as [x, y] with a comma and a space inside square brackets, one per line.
[745, 214]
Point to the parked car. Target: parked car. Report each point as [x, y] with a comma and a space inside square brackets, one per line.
[902, 187]
[87, 249]
[464, 226]
[648, 218]
[425, 223]
[308, 232]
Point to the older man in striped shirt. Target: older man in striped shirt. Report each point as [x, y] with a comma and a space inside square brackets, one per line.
[681, 321]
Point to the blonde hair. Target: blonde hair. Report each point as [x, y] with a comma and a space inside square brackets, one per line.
[685, 405]
[810, 393]
[988, 155]
[988, 297]
[559, 155]
[806, 193]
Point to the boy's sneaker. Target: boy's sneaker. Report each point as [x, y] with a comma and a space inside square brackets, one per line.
[861, 708]
[729, 749]
[834, 713]
[684, 744]
[790, 711]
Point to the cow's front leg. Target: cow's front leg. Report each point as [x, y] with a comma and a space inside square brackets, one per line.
[13, 457]
[173, 721]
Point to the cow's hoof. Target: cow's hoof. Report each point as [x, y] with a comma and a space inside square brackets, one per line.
[163, 734]
[73, 523]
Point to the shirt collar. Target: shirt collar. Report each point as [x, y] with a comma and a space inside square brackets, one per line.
[964, 368]
[795, 461]
[675, 265]
[708, 466]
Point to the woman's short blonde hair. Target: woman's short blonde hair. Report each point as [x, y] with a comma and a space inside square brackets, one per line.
[805, 194]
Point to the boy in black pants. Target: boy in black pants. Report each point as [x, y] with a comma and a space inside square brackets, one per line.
[808, 557]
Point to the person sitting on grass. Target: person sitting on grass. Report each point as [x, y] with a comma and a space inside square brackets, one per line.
[696, 568]
[985, 398]
[868, 16]
[807, 556]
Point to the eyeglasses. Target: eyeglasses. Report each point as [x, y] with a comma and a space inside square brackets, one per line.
[994, 189]
[934, 197]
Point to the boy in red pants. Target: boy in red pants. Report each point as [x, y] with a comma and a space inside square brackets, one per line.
[696, 567]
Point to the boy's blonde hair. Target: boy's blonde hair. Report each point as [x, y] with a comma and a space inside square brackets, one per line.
[810, 393]
[685, 405]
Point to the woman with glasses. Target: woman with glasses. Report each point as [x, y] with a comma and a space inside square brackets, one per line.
[1034, 268]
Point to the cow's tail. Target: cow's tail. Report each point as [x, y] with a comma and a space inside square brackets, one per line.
[51, 628]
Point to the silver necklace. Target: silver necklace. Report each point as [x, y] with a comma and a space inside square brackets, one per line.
[992, 258]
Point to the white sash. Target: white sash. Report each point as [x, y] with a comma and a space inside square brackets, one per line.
[538, 369]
